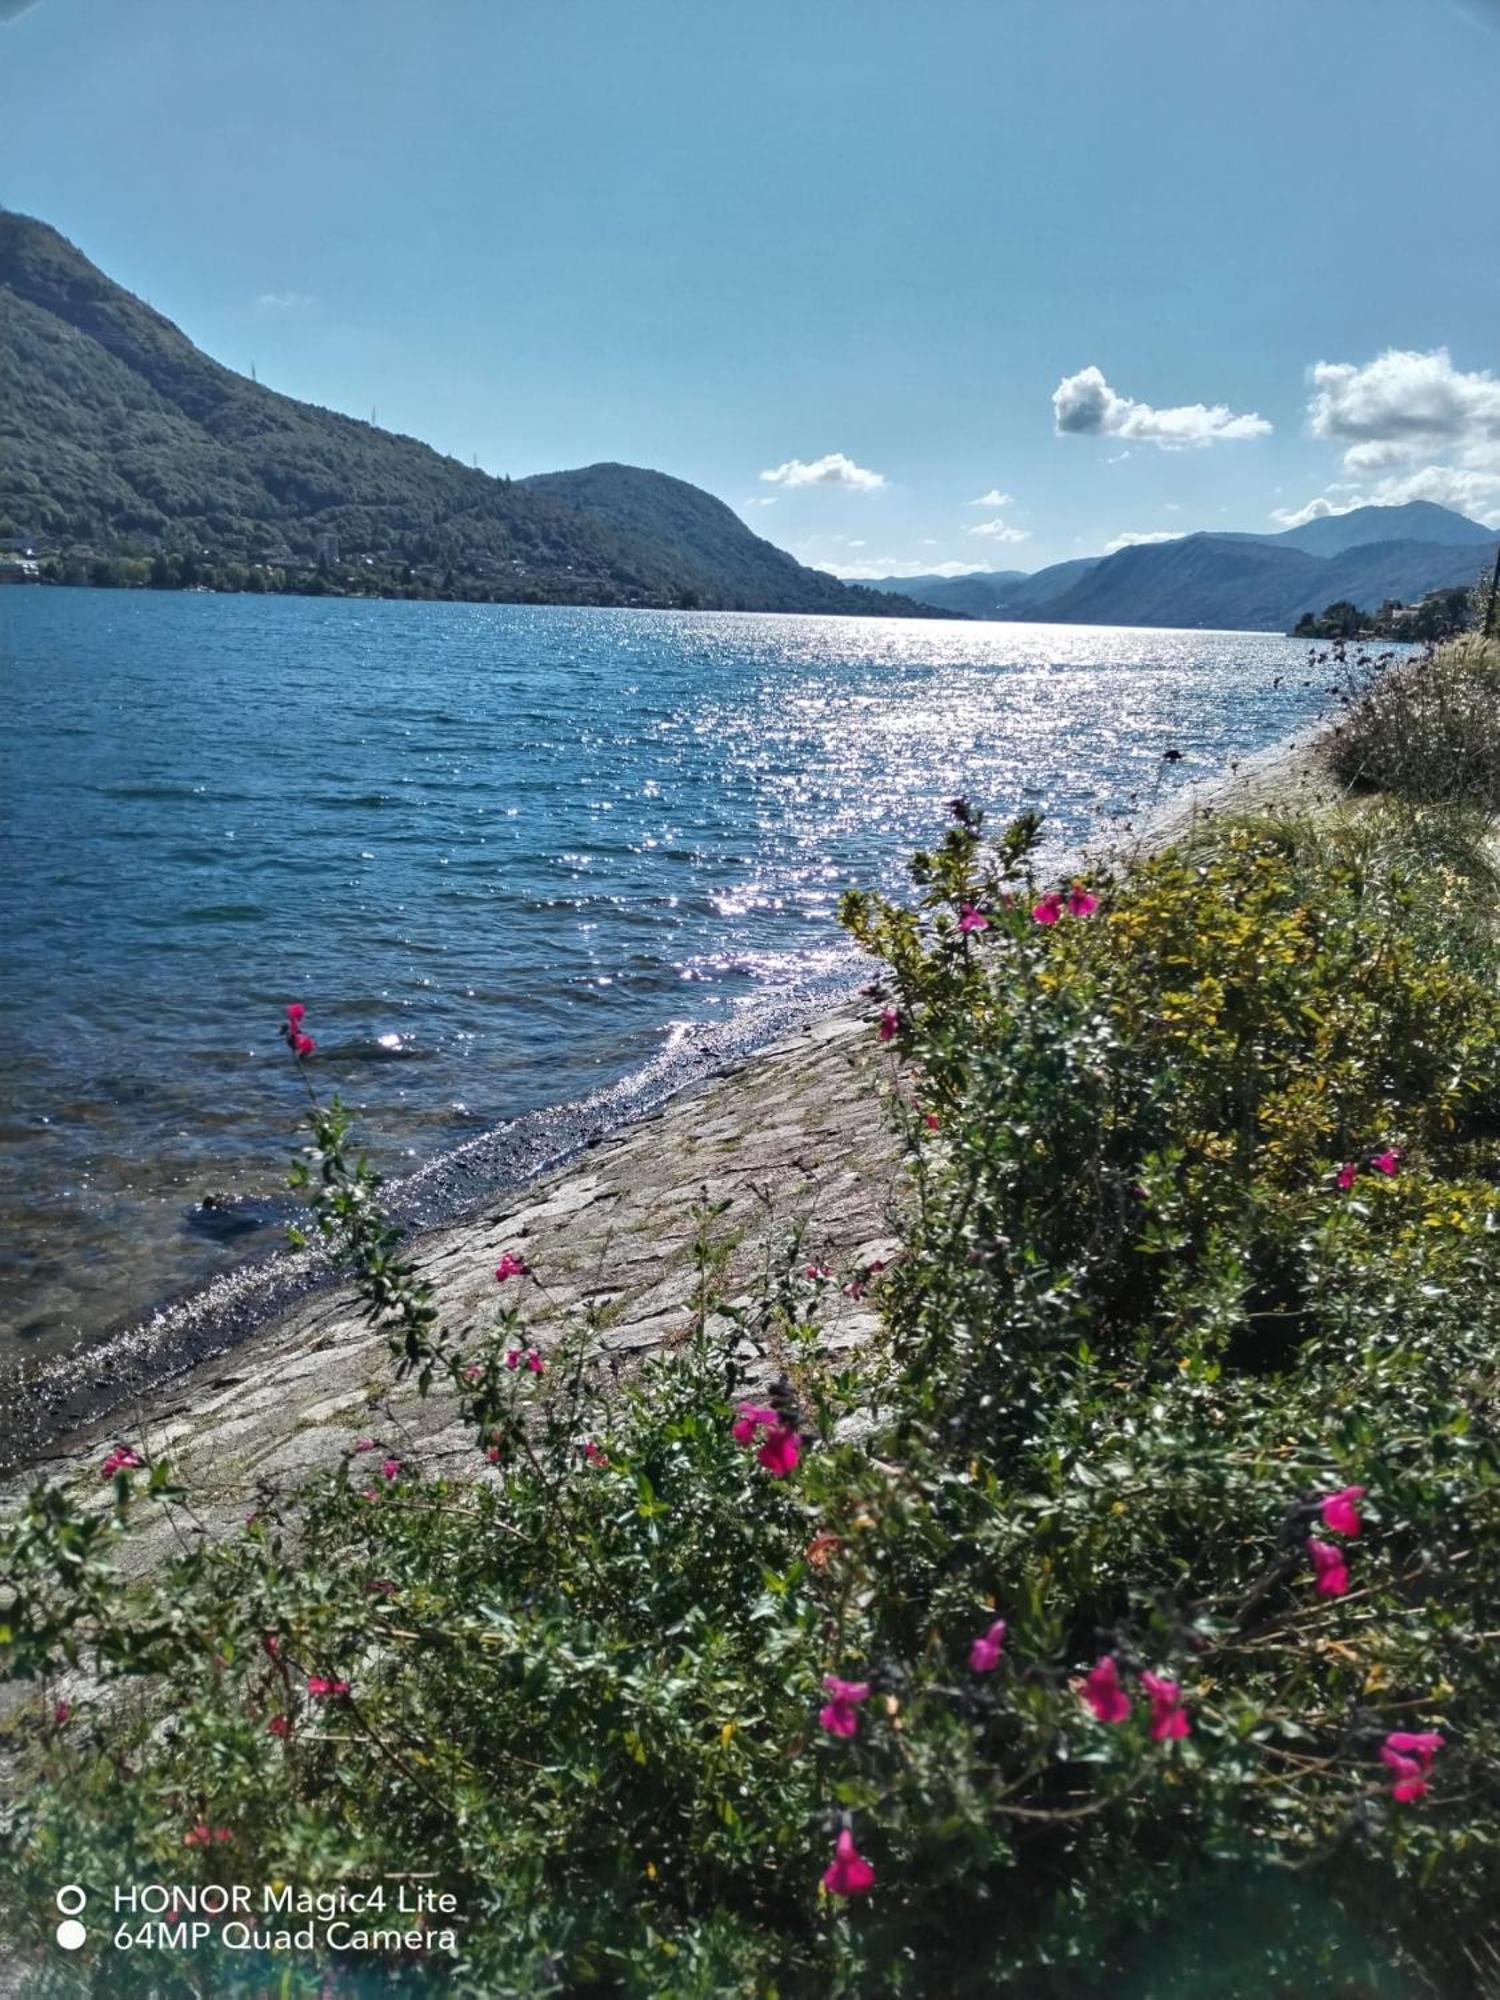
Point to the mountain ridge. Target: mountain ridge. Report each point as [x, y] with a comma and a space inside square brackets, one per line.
[122, 439]
[1228, 580]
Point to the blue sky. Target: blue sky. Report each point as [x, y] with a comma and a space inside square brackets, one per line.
[1079, 256]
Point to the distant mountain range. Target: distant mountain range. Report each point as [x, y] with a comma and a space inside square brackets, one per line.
[121, 441]
[1234, 581]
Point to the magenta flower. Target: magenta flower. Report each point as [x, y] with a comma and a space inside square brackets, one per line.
[534, 1361]
[859, 1284]
[782, 1448]
[931, 1120]
[1328, 1562]
[781, 1451]
[295, 1012]
[1168, 1718]
[840, 1716]
[121, 1459]
[1048, 910]
[1409, 1756]
[366, 1444]
[848, 1874]
[302, 1045]
[324, 1689]
[1347, 1176]
[279, 1726]
[984, 1654]
[270, 1645]
[890, 1025]
[1385, 1163]
[1080, 902]
[1103, 1693]
[61, 1713]
[1340, 1510]
[970, 919]
[513, 1358]
[594, 1453]
[820, 1271]
[510, 1266]
[753, 1417]
[391, 1469]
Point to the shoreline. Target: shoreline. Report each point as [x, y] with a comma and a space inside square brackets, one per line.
[283, 1329]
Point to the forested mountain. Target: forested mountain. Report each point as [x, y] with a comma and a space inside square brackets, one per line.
[709, 549]
[119, 439]
[1252, 582]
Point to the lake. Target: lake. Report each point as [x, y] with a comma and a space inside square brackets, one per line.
[508, 858]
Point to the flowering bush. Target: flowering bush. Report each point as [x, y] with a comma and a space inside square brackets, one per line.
[1122, 1623]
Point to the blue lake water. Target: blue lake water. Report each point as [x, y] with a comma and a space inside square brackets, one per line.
[506, 857]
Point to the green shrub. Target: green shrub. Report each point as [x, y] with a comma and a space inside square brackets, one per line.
[1424, 728]
[1203, 1229]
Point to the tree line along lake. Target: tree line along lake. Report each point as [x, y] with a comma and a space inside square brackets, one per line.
[508, 858]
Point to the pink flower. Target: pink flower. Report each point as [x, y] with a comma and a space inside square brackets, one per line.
[121, 1459]
[781, 1451]
[1103, 1693]
[1167, 1716]
[321, 1688]
[1386, 1162]
[295, 1012]
[1328, 1562]
[970, 919]
[1080, 902]
[819, 1271]
[366, 1444]
[1409, 1756]
[594, 1454]
[1340, 1510]
[840, 1717]
[279, 1726]
[1048, 910]
[492, 1453]
[534, 1361]
[61, 1713]
[931, 1120]
[473, 1372]
[513, 1358]
[391, 1469]
[782, 1448]
[1347, 1176]
[984, 1654]
[510, 1266]
[859, 1284]
[204, 1835]
[270, 1645]
[848, 1874]
[890, 1025]
[753, 1417]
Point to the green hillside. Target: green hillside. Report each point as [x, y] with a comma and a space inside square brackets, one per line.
[136, 457]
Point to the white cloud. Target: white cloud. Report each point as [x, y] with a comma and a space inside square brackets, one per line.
[1394, 416]
[285, 301]
[998, 531]
[994, 498]
[833, 470]
[1084, 405]
[860, 572]
[760, 500]
[1404, 398]
[1135, 541]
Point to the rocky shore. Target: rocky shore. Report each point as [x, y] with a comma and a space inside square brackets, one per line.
[794, 1137]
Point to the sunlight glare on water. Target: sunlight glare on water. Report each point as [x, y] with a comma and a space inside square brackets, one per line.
[503, 855]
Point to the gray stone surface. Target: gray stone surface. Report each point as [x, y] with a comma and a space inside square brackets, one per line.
[795, 1136]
